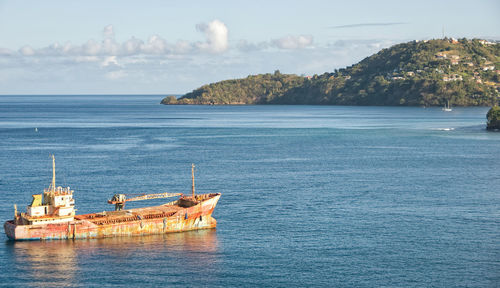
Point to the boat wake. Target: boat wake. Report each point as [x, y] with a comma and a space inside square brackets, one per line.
[444, 129]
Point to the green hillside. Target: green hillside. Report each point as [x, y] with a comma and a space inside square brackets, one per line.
[493, 118]
[427, 73]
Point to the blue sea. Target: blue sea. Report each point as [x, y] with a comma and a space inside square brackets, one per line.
[312, 196]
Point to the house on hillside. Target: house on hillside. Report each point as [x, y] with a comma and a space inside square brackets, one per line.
[485, 42]
[441, 55]
[454, 77]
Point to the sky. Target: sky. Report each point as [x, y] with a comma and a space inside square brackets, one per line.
[173, 47]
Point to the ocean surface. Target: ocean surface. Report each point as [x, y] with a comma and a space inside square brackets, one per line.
[314, 196]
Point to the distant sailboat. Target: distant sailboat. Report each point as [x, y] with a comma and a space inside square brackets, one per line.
[447, 107]
[36, 129]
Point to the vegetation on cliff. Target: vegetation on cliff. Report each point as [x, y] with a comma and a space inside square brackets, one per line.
[427, 73]
[255, 89]
[493, 117]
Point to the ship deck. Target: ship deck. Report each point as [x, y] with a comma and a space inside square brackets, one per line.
[107, 217]
[154, 212]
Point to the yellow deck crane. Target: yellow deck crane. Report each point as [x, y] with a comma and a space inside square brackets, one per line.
[120, 199]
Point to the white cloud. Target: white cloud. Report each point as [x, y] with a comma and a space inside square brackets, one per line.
[217, 36]
[91, 47]
[293, 42]
[132, 46]
[27, 51]
[290, 42]
[109, 45]
[109, 61]
[6, 52]
[67, 48]
[155, 45]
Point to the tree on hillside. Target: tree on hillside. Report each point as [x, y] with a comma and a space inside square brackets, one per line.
[169, 100]
[493, 117]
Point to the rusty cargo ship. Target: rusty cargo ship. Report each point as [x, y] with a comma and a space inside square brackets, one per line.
[51, 215]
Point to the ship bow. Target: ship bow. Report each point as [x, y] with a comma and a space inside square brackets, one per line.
[10, 229]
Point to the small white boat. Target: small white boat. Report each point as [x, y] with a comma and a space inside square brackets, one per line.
[447, 107]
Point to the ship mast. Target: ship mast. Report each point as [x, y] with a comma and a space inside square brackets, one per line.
[192, 177]
[53, 173]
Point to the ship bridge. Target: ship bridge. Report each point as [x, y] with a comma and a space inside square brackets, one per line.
[55, 205]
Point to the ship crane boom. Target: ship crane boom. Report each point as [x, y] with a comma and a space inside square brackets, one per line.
[120, 199]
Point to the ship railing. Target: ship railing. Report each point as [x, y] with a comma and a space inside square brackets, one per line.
[59, 190]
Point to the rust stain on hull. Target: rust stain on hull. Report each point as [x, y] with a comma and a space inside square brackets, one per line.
[177, 216]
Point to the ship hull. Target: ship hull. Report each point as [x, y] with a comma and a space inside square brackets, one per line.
[142, 221]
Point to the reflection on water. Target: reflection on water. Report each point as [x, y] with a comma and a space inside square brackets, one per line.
[57, 263]
[192, 241]
[44, 263]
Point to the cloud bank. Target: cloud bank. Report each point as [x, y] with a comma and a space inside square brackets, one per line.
[293, 42]
[215, 32]
[156, 65]
[216, 41]
[367, 25]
